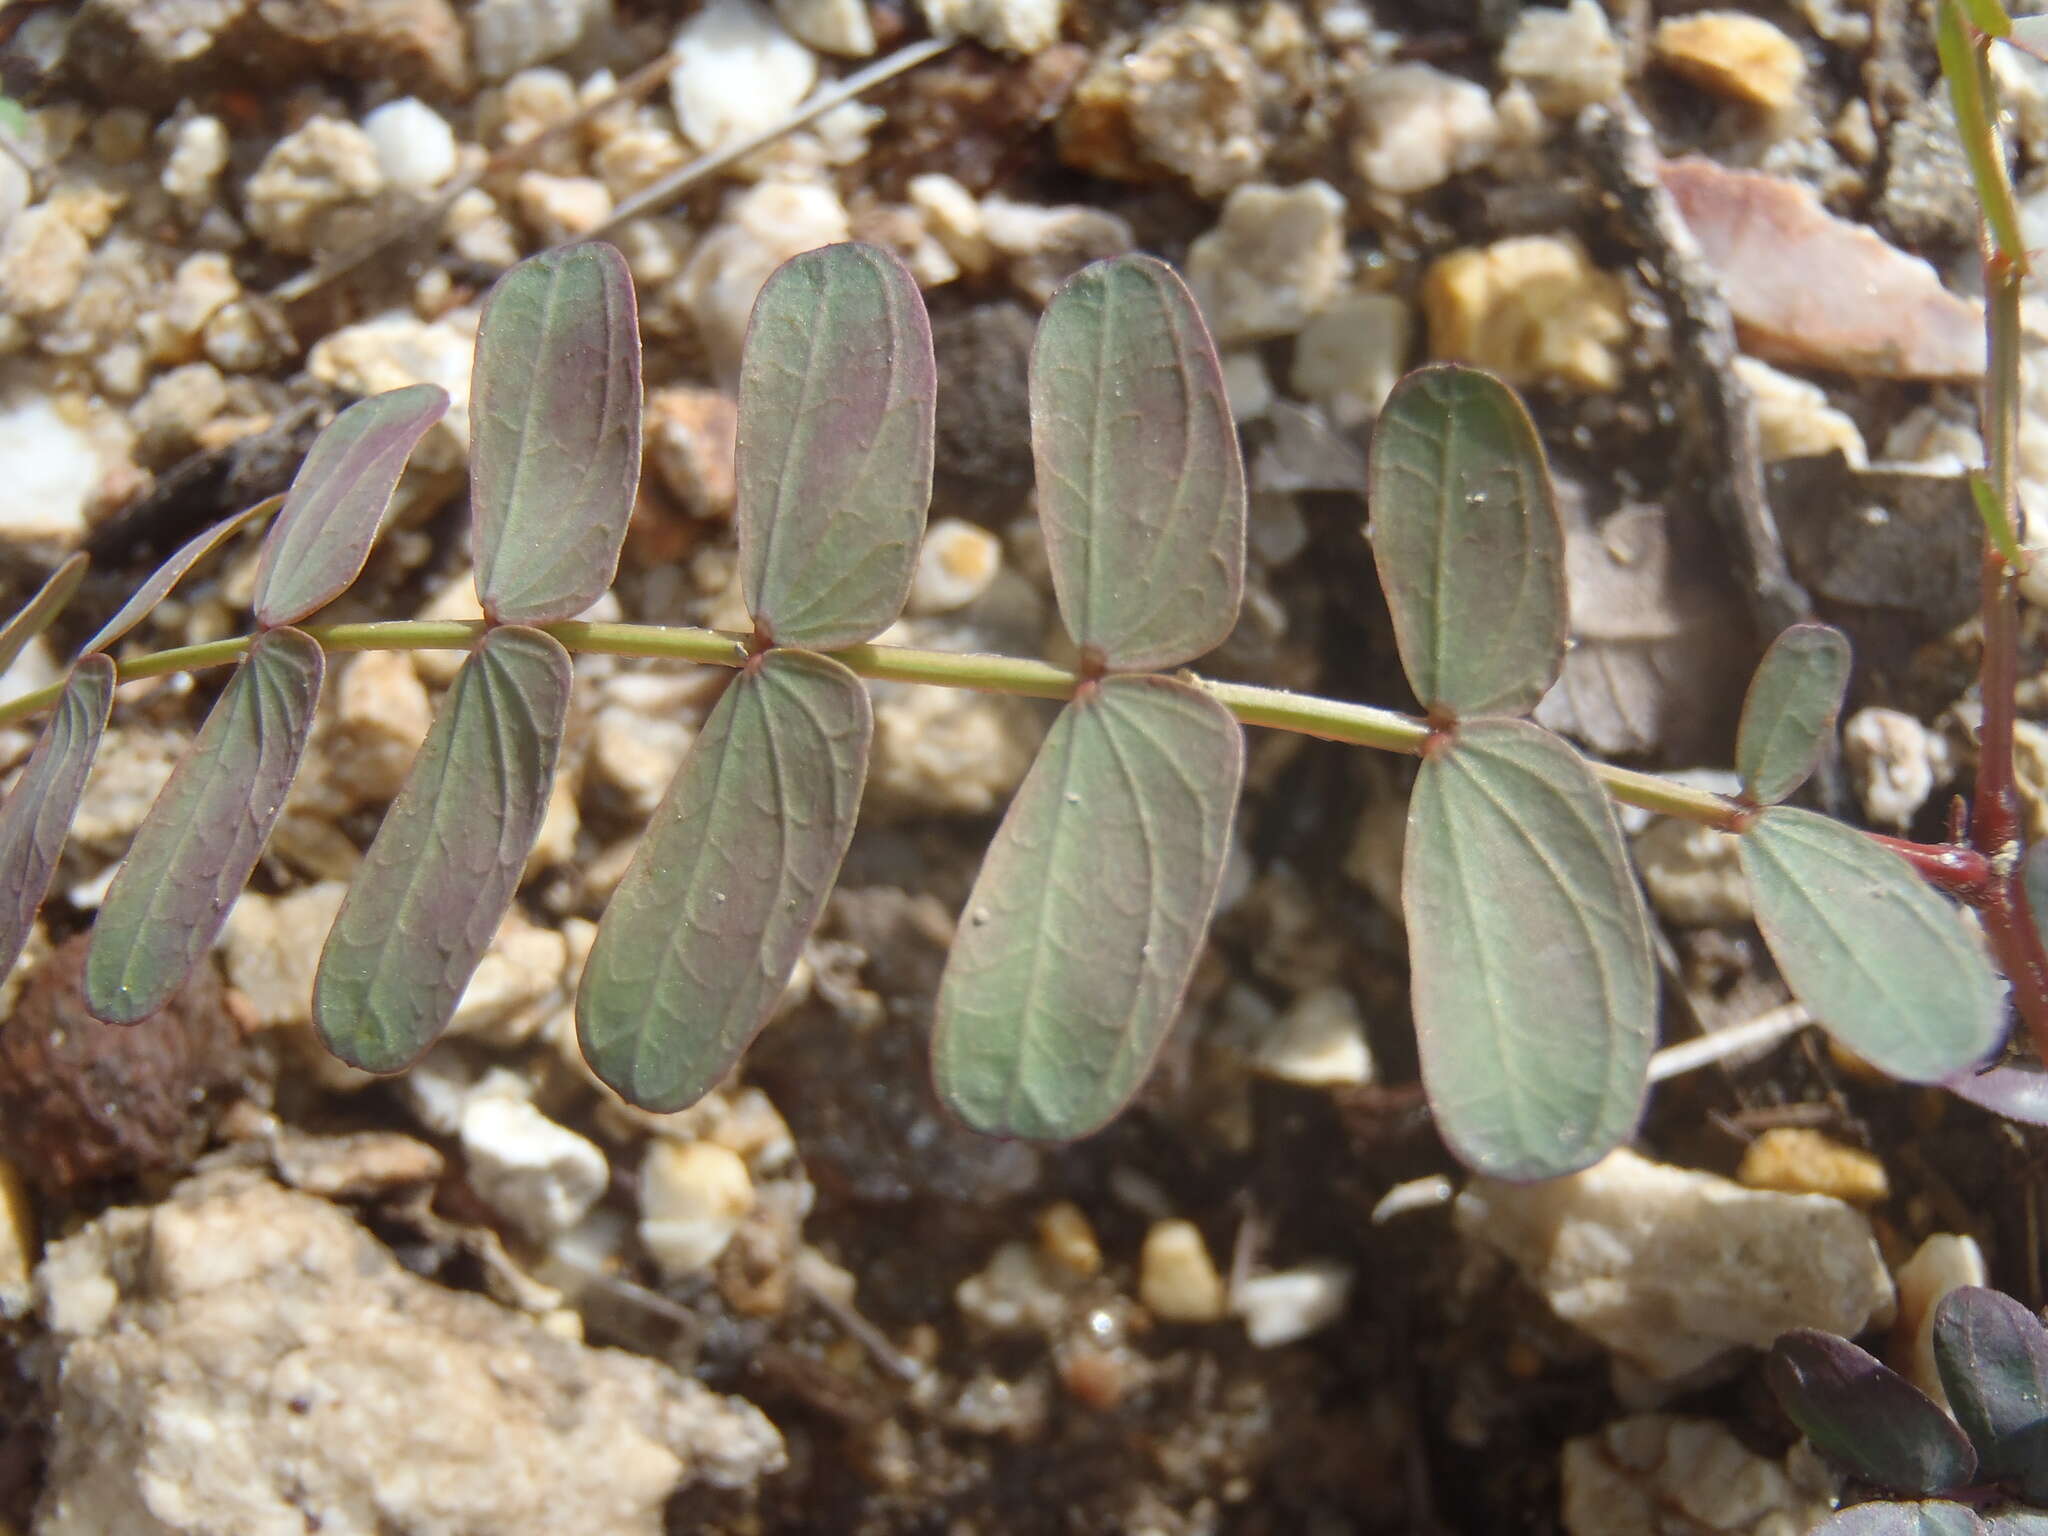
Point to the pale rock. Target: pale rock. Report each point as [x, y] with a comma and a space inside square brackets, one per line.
[1048, 245]
[535, 101]
[17, 1244]
[236, 340]
[521, 974]
[1794, 419]
[1349, 356]
[1795, 1160]
[35, 667]
[955, 565]
[763, 227]
[540, 1176]
[830, 26]
[1692, 873]
[1068, 1238]
[394, 349]
[245, 1358]
[1942, 1262]
[1734, 55]
[477, 231]
[954, 217]
[121, 368]
[1011, 26]
[177, 404]
[272, 946]
[507, 36]
[948, 752]
[737, 72]
[1274, 258]
[1290, 1304]
[692, 435]
[197, 154]
[555, 844]
[1427, 1193]
[1894, 761]
[1420, 127]
[1277, 533]
[634, 754]
[1670, 1268]
[359, 1165]
[381, 717]
[415, 147]
[15, 190]
[327, 165]
[42, 262]
[1569, 59]
[53, 471]
[1187, 100]
[1318, 1042]
[559, 209]
[132, 766]
[1532, 308]
[693, 1197]
[1246, 385]
[1177, 1280]
[201, 287]
[1656, 1474]
[635, 159]
[1021, 1289]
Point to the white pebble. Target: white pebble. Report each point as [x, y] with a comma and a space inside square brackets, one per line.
[1941, 1263]
[738, 72]
[1280, 1308]
[958, 561]
[1422, 126]
[199, 153]
[1427, 1193]
[693, 1196]
[1894, 762]
[1319, 1042]
[1348, 357]
[1177, 1280]
[538, 1175]
[415, 146]
[52, 472]
[834, 26]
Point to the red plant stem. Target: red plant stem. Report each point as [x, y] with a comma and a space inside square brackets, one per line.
[1957, 870]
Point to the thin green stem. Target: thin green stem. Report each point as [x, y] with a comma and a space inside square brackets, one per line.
[1966, 65]
[1275, 708]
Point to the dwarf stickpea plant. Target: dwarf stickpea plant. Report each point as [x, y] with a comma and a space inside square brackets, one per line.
[1534, 987]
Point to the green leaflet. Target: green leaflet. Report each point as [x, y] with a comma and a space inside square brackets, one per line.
[1789, 714]
[837, 394]
[442, 870]
[1466, 536]
[40, 612]
[699, 941]
[1532, 979]
[1885, 964]
[38, 810]
[554, 433]
[1140, 484]
[1090, 911]
[1992, 1354]
[200, 842]
[337, 501]
[166, 576]
[1865, 1416]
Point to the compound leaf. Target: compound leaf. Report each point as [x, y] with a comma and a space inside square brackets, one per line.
[1140, 484]
[554, 433]
[197, 847]
[40, 612]
[1865, 1416]
[38, 809]
[1881, 961]
[337, 501]
[1789, 714]
[699, 942]
[837, 394]
[1470, 550]
[158, 584]
[442, 870]
[1089, 914]
[1932, 1517]
[1533, 983]
[1993, 1357]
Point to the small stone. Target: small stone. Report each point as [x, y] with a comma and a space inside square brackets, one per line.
[42, 262]
[830, 26]
[1068, 1239]
[53, 473]
[327, 167]
[692, 435]
[1246, 385]
[1291, 1304]
[1187, 100]
[947, 752]
[1894, 762]
[395, 349]
[477, 231]
[1798, 1161]
[17, 1244]
[559, 209]
[1274, 259]
[273, 945]
[635, 159]
[1568, 58]
[1348, 358]
[1928, 198]
[200, 288]
[762, 228]
[737, 73]
[955, 566]
[539, 1176]
[1794, 419]
[169, 416]
[1177, 1280]
[1692, 873]
[954, 218]
[507, 36]
[1532, 308]
[1733, 54]
[414, 144]
[693, 1197]
[381, 717]
[1319, 1042]
[634, 753]
[198, 154]
[1021, 1290]
[236, 340]
[1010, 26]
[362, 1165]
[1278, 533]
[1939, 1265]
[514, 986]
[1420, 127]
[1670, 1268]
[1046, 246]
[1660, 1473]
